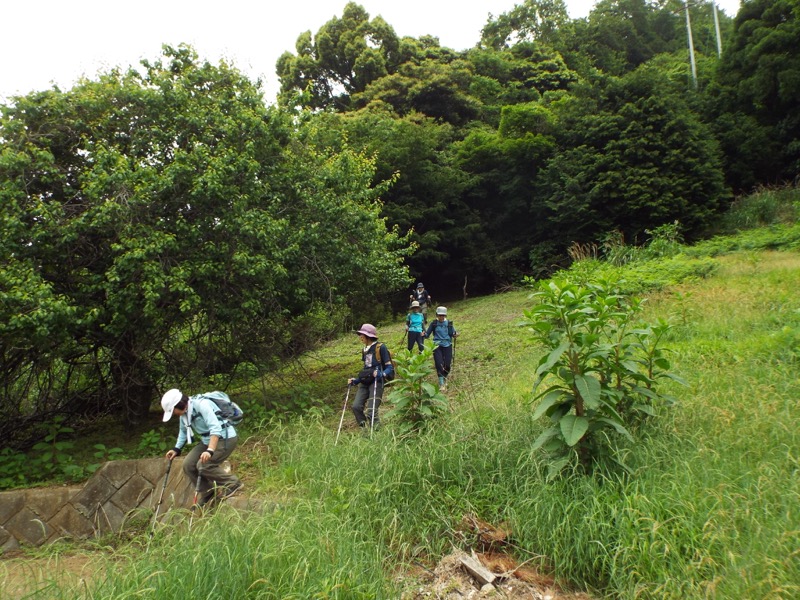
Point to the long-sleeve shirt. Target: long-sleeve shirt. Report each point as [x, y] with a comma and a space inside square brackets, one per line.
[443, 332]
[204, 422]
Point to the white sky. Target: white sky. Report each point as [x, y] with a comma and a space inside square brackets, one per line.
[46, 42]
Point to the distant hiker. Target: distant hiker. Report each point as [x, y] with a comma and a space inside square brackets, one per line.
[378, 368]
[415, 326]
[199, 415]
[422, 296]
[443, 333]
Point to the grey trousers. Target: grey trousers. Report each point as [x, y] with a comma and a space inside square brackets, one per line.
[364, 396]
[212, 475]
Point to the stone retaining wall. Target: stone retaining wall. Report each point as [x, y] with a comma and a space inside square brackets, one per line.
[39, 516]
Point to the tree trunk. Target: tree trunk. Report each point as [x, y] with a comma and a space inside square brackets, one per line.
[132, 383]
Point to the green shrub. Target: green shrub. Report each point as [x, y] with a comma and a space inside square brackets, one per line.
[416, 401]
[600, 373]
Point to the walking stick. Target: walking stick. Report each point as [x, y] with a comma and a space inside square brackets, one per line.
[194, 503]
[160, 498]
[344, 408]
[403, 339]
[374, 409]
[453, 361]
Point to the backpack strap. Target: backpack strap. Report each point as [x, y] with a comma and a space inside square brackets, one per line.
[378, 355]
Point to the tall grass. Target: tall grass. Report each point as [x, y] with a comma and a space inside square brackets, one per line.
[711, 508]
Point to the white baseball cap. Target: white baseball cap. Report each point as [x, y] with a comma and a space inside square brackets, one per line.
[168, 402]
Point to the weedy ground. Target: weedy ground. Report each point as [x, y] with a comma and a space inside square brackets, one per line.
[709, 509]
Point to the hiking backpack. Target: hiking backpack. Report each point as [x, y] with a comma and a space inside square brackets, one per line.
[227, 409]
[383, 365]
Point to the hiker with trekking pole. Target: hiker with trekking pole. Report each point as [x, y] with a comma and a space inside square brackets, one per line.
[378, 369]
[443, 333]
[211, 417]
[415, 327]
[160, 499]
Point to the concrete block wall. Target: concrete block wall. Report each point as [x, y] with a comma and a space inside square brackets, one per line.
[39, 516]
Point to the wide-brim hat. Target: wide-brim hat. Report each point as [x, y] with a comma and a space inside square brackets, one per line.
[415, 304]
[369, 330]
[169, 401]
[441, 310]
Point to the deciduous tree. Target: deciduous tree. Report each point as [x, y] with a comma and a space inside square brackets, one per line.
[158, 224]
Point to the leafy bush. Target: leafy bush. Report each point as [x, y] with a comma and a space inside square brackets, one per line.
[417, 402]
[600, 372]
[665, 241]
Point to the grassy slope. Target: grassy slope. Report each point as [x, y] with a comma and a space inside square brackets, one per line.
[712, 509]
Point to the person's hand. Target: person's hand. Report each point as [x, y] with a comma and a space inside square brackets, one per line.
[352, 381]
[206, 456]
[171, 454]
[377, 374]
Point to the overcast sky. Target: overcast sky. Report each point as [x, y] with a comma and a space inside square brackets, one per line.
[46, 42]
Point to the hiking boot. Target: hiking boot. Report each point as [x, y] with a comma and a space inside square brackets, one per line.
[206, 498]
[228, 492]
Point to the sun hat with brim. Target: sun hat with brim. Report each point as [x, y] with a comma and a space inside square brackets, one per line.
[415, 304]
[169, 401]
[420, 285]
[369, 330]
[441, 310]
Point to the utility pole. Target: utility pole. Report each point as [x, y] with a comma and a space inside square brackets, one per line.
[691, 44]
[716, 27]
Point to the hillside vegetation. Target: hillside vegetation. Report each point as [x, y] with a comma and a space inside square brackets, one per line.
[709, 508]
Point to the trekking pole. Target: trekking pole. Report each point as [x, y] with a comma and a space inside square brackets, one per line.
[160, 498]
[194, 502]
[344, 408]
[374, 409]
[453, 361]
[403, 339]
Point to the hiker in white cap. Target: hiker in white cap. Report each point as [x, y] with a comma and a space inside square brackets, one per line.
[415, 326]
[443, 333]
[198, 415]
[378, 369]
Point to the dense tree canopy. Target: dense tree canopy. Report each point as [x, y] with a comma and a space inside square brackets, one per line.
[158, 224]
[342, 59]
[162, 223]
[759, 79]
[634, 158]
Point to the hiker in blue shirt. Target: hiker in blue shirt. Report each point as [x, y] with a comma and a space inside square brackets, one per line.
[443, 333]
[197, 415]
[415, 326]
[378, 368]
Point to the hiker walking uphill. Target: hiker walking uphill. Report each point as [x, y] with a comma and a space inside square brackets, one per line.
[199, 415]
[422, 296]
[415, 327]
[377, 370]
[443, 333]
